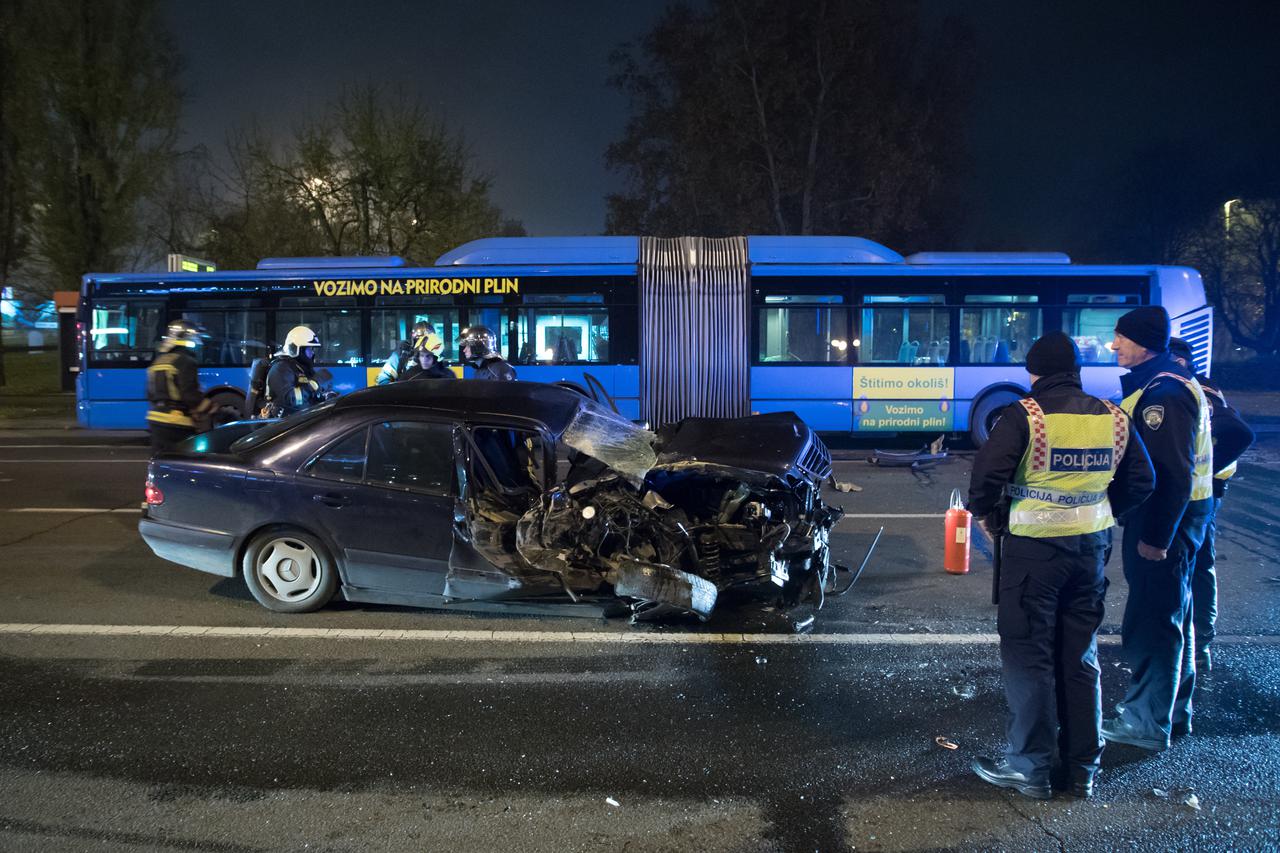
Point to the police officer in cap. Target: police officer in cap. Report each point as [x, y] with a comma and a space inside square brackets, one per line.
[479, 350]
[1162, 536]
[175, 400]
[1066, 462]
[1231, 438]
[291, 381]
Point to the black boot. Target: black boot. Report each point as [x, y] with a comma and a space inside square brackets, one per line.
[1000, 774]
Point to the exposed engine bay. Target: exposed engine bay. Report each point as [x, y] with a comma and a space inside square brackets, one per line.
[669, 522]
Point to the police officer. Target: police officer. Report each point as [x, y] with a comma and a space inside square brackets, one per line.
[1231, 438]
[1066, 462]
[291, 382]
[1161, 538]
[425, 364]
[404, 356]
[479, 350]
[174, 397]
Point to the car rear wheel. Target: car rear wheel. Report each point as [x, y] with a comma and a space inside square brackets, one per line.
[289, 571]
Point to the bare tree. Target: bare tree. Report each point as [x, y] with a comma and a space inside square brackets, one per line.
[795, 117]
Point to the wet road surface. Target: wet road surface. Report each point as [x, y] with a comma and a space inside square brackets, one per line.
[560, 734]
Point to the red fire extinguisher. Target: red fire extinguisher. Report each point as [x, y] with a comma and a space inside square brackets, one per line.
[955, 557]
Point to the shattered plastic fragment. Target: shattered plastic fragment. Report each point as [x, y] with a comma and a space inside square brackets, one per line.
[1160, 792]
[945, 742]
[1193, 801]
[611, 801]
[966, 692]
[761, 659]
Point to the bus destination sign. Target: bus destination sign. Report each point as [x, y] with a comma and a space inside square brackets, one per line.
[900, 399]
[415, 286]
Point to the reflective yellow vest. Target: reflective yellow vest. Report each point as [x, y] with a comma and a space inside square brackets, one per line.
[1202, 463]
[1229, 471]
[1060, 487]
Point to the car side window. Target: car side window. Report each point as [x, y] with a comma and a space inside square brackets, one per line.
[344, 461]
[411, 454]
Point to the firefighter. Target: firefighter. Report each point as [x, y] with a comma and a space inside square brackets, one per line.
[479, 350]
[175, 400]
[291, 380]
[1060, 463]
[426, 364]
[1231, 438]
[1161, 538]
[405, 354]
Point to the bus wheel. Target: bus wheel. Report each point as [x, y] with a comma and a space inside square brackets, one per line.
[986, 411]
[228, 406]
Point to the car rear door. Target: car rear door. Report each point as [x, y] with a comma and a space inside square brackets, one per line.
[383, 493]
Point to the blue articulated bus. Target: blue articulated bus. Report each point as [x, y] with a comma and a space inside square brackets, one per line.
[851, 335]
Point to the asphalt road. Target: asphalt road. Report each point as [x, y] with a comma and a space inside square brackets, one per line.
[189, 718]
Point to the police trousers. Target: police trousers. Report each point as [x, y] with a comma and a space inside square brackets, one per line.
[1157, 631]
[1204, 583]
[1051, 605]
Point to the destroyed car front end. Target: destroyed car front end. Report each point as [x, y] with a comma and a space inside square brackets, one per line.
[669, 522]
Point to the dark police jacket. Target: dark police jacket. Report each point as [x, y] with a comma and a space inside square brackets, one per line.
[495, 368]
[997, 460]
[1231, 435]
[1170, 443]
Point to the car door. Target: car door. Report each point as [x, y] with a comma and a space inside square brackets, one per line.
[384, 495]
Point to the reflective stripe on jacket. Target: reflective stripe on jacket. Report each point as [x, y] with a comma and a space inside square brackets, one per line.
[1202, 462]
[1060, 486]
[173, 387]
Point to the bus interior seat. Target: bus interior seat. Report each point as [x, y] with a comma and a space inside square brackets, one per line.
[1002, 352]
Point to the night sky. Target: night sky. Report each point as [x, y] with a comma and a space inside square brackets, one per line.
[1066, 95]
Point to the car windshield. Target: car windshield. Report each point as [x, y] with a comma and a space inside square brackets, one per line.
[268, 433]
[618, 443]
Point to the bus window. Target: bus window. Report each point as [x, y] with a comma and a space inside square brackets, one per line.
[1093, 330]
[563, 335]
[236, 338]
[997, 335]
[494, 319]
[390, 326]
[905, 330]
[793, 329]
[124, 331]
[338, 328]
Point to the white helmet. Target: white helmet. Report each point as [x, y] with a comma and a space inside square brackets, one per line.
[298, 339]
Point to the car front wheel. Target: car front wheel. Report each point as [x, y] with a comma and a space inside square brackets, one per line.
[289, 571]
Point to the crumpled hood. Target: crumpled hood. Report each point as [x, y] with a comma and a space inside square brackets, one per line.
[772, 445]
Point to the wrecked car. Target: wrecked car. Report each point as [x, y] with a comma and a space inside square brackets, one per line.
[477, 495]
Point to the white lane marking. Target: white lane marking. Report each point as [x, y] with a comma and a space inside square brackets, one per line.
[82, 446]
[75, 461]
[894, 515]
[80, 510]
[596, 637]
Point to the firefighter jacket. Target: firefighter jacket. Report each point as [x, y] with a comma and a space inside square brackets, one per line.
[1065, 460]
[1231, 435]
[291, 386]
[173, 386]
[494, 367]
[1172, 417]
[396, 363]
[435, 371]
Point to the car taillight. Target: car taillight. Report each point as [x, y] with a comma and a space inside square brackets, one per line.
[155, 497]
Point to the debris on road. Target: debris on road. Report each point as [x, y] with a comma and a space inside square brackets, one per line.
[966, 692]
[611, 801]
[946, 742]
[844, 486]
[1193, 801]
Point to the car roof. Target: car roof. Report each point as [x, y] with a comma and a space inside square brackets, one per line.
[469, 399]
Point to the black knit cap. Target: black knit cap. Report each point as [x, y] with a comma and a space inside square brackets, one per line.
[1147, 326]
[1178, 348]
[1053, 353]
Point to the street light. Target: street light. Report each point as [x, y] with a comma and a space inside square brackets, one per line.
[1226, 213]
